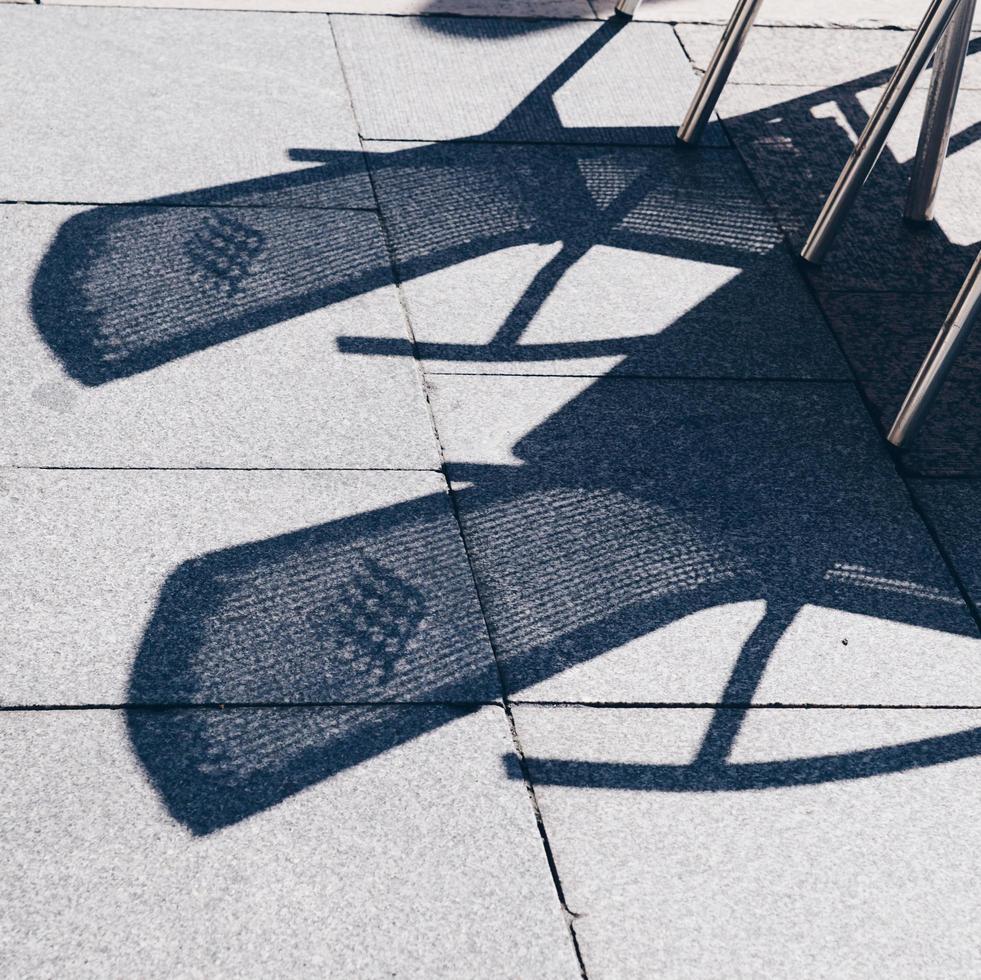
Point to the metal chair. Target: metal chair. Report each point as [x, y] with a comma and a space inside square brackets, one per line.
[935, 368]
[946, 25]
[945, 29]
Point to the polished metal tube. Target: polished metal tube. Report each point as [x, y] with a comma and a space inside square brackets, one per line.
[873, 138]
[934, 370]
[714, 79]
[948, 66]
[628, 7]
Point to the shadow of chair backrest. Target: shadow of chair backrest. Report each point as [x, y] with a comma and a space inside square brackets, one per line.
[368, 608]
[124, 289]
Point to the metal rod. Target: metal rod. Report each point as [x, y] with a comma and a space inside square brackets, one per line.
[948, 66]
[714, 79]
[628, 7]
[934, 370]
[873, 138]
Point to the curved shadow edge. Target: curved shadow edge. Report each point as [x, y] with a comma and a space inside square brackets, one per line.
[738, 777]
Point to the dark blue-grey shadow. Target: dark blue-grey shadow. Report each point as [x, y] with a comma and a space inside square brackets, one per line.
[612, 528]
[640, 513]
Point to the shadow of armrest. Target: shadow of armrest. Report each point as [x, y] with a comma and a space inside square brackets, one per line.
[478, 353]
[725, 777]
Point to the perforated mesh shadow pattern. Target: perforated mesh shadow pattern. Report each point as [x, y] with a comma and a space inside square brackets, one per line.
[123, 289]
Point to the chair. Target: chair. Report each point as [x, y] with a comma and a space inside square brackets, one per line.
[946, 25]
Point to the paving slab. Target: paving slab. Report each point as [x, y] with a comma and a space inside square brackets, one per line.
[424, 861]
[196, 337]
[513, 81]
[783, 13]
[632, 538]
[177, 587]
[204, 99]
[552, 239]
[804, 57]
[953, 508]
[833, 844]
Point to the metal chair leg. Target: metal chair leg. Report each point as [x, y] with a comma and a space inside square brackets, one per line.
[873, 138]
[948, 66]
[934, 370]
[714, 79]
[628, 7]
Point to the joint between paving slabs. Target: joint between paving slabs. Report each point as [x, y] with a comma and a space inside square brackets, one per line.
[568, 915]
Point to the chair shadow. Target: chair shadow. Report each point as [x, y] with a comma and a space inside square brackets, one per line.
[573, 558]
[276, 664]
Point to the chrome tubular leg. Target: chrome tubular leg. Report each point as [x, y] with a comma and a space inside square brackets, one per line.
[628, 7]
[873, 138]
[714, 79]
[948, 66]
[933, 371]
